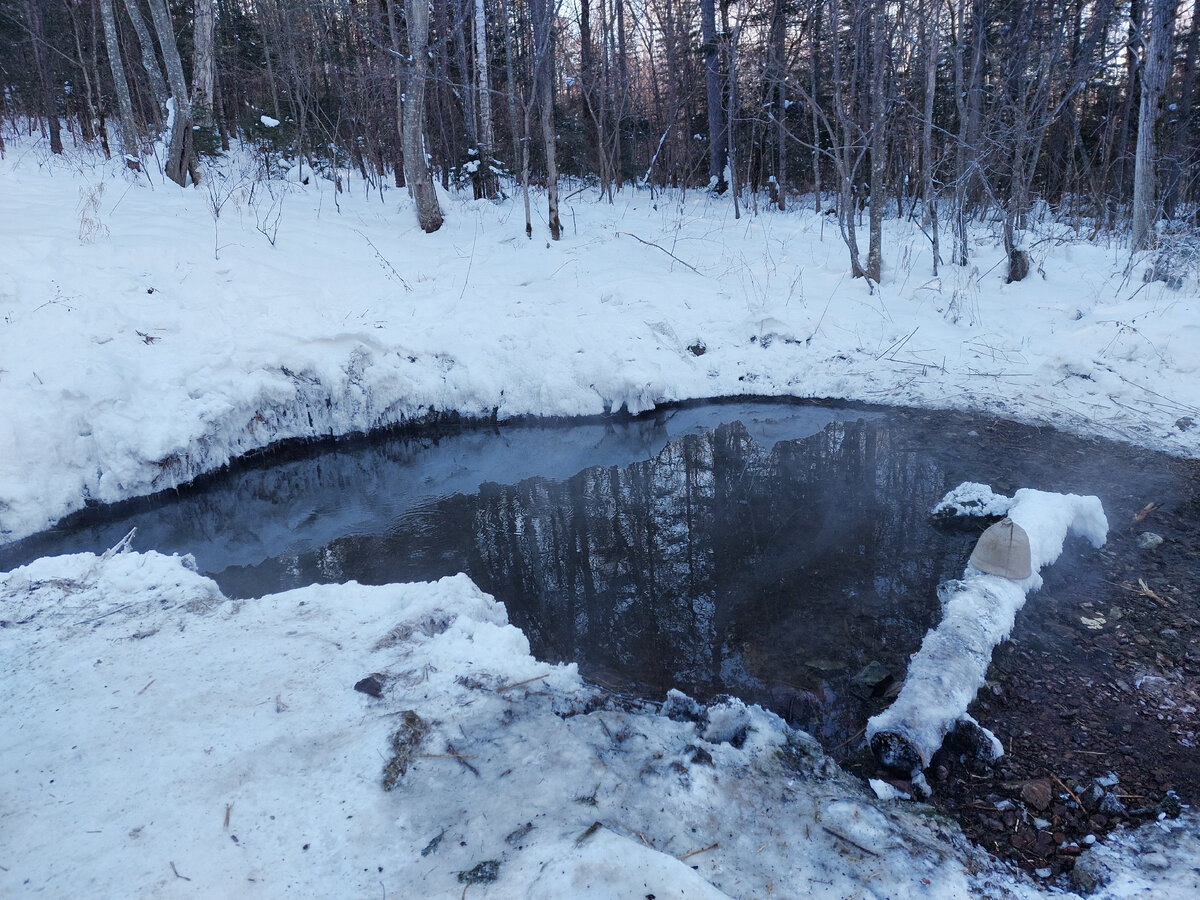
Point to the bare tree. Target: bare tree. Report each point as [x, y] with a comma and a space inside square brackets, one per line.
[712, 82]
[412, 135]
[543, 13]
[129, 134]
[180, 163]
[158, 84]
[1154, 82]
[203, 22]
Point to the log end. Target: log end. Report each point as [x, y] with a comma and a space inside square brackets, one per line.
[895, 753]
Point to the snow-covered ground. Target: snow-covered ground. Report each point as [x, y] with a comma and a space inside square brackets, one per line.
[145, 339]
[163, 741]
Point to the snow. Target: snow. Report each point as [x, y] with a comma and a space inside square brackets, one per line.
[173, 341]
[176, 735]
[978, 612]
[268, 122]
[973, 499]
[165, 741]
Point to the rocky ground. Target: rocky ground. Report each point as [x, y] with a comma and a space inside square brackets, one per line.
[1095, 697]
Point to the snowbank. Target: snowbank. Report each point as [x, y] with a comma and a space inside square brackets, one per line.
[978, 612]
[181, 745]
[149, 334]
[163, 741]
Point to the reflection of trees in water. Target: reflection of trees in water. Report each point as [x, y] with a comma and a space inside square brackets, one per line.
[718, 565]
[721, 565]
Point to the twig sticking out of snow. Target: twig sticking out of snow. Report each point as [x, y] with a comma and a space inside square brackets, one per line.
[979, 612]
[121, 546]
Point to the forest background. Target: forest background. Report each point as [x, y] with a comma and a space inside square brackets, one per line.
[944, 111]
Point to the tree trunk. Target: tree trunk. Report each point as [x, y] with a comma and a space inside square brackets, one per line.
[816, 129]
[180, 163]
[878, 144]
[1181, 138]
[33, 17]
[416, 168]
[779, 89]
[129, 134]
[929, 196]
[1154, 80]
[543, 37]
[158, 84]
[203, 22]
[712, 83]
[731, 61]
[487, 137]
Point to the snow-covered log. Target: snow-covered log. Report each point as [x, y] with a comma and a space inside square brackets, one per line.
[978, 612]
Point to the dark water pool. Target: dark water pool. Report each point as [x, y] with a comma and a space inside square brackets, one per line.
[769, 550]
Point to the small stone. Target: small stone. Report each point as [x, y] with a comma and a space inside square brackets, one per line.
[1111, 806]
[1089, 873]
[1037, 793]
[1185, 423]
[1148, 540]
[371, 686]
[1092, 796]
[873, 680]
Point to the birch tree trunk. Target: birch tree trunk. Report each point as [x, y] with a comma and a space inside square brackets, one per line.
[416, 168]
[487, 134]
[203, 22]
[486, 130]
[1154, 81]
[128, 128]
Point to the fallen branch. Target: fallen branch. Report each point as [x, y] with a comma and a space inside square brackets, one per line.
[664, 250]
[454, 754]
[851, 841]
[105, 615]
[1059, 781]
[979, 611]
[713, 846]
[517, 684]
[177, 875]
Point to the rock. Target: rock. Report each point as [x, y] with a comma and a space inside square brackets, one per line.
[679, 707]
[872, 681]
[728, 721]
[793, 705]
[1148, 540]
[1111, 806]
[1089, 873]
[372, 686]
[1037, 793]
[1091, 797]
[974, 746]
